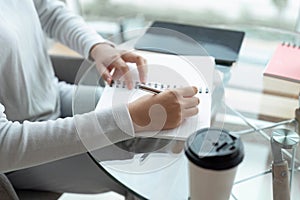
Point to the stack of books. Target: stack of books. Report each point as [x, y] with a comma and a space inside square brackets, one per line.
[282, 73]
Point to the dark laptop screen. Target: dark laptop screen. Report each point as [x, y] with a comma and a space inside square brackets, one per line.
[223, 44]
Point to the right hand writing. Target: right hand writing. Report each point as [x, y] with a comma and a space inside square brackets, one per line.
[165, 110]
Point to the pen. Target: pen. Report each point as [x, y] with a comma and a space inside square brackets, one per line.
[154, 91]
[149, 89]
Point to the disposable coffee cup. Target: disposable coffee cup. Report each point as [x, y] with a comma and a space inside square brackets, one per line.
[214, 156]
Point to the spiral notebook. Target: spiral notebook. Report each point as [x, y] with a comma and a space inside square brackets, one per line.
[285, 63]
[162, 78]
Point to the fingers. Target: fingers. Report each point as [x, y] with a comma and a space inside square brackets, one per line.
[190, 112]
[190, 102]
[187, 91]
[105, 74]
[122, 69]
[141, 64]
[190, 106]
[109, 59]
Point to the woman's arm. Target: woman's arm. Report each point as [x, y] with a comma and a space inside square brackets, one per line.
[70, 29]
[32, 143]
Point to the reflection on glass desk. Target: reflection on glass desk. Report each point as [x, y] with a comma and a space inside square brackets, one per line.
[251, 101]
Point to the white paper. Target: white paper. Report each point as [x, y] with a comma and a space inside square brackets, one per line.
[174, 71]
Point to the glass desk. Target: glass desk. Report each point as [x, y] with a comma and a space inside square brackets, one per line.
[251, 101]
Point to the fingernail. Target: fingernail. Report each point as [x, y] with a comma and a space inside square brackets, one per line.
[129, 85]
[195, 89]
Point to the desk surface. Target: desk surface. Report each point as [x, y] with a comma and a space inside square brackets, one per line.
[261, 101]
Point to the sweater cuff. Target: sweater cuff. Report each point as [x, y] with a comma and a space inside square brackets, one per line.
[105, 127]
[123, 119]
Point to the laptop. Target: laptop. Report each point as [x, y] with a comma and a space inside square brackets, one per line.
[181, 39]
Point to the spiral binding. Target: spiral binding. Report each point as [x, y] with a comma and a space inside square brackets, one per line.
[288, 44]
[160, 86]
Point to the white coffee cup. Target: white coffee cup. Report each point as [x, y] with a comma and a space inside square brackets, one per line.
[214, 156]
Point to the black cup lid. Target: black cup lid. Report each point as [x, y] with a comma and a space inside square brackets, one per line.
[214, 149]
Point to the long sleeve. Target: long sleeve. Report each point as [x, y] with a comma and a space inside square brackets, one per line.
[29, 90]
[60, 23]
[32, 143]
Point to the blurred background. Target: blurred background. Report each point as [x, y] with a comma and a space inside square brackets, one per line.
[110, 17]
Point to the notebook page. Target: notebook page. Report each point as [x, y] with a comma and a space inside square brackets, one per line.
[167, 71]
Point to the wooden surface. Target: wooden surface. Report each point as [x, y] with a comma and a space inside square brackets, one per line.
[60, 49]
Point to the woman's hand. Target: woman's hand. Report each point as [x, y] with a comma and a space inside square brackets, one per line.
[165, 110]
[110, 60]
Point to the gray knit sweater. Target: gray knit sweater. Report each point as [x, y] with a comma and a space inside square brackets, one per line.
[30, 131]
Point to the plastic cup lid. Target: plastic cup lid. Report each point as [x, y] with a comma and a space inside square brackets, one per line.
[214, 149]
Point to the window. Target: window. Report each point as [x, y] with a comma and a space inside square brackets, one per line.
[136, 13]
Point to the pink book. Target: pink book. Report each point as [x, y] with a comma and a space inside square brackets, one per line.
[285, 63]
